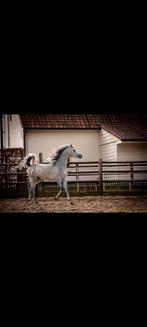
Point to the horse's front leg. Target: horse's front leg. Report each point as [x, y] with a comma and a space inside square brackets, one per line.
[60, 183]
[66, 190]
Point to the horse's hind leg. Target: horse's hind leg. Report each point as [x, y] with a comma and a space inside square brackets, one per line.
[61, 188]
[34, 195]
[29, 189]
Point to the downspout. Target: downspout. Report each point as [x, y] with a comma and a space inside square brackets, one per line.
[8, 126]
[24, 141]
[1, 126]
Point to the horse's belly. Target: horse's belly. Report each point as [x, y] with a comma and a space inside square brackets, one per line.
[48, 174]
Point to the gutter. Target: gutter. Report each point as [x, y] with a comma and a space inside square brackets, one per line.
[134, 140]
[1, 127]
[8, 127]
[24, 140]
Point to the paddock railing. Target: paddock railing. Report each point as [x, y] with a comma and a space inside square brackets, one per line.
[84, 178]
[111, 176]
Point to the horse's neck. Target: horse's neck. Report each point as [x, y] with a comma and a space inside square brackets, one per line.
[64, 159]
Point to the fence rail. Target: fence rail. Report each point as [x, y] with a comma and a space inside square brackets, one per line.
[100, 177]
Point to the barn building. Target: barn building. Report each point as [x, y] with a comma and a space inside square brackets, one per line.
[107, 137]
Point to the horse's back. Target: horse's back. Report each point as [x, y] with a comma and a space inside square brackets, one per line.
[47, 171]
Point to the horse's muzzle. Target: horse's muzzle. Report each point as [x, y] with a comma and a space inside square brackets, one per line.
[79, 155]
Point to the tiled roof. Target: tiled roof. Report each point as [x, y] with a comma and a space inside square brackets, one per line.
[58, 121]
[125, 127]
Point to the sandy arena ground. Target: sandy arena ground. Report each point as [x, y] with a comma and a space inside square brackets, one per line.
[91, 204]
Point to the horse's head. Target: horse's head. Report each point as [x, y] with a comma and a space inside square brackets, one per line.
[74, 153]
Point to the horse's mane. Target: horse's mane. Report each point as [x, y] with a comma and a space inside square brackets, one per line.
[57, 154]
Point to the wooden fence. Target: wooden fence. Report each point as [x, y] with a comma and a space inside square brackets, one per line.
[112, 177]
[85, 178]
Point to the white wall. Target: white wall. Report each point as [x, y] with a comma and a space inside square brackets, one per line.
[112, 149]
[107, 146]
[108, 150]
[133, 152]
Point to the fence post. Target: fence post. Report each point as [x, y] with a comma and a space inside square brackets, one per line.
[131, 174]
[77, 177]
[6, 170]
[101, 176]
[41, 157]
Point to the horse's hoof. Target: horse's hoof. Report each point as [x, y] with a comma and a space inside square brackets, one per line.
[71, 202]
[56, 198]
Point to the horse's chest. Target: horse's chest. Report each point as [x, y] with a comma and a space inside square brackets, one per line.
[62, 173]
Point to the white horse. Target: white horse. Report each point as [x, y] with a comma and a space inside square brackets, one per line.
[55, 170]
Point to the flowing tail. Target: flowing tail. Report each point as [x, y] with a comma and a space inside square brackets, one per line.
[30, 160]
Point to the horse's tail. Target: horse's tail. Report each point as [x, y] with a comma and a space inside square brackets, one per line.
[30, 160]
